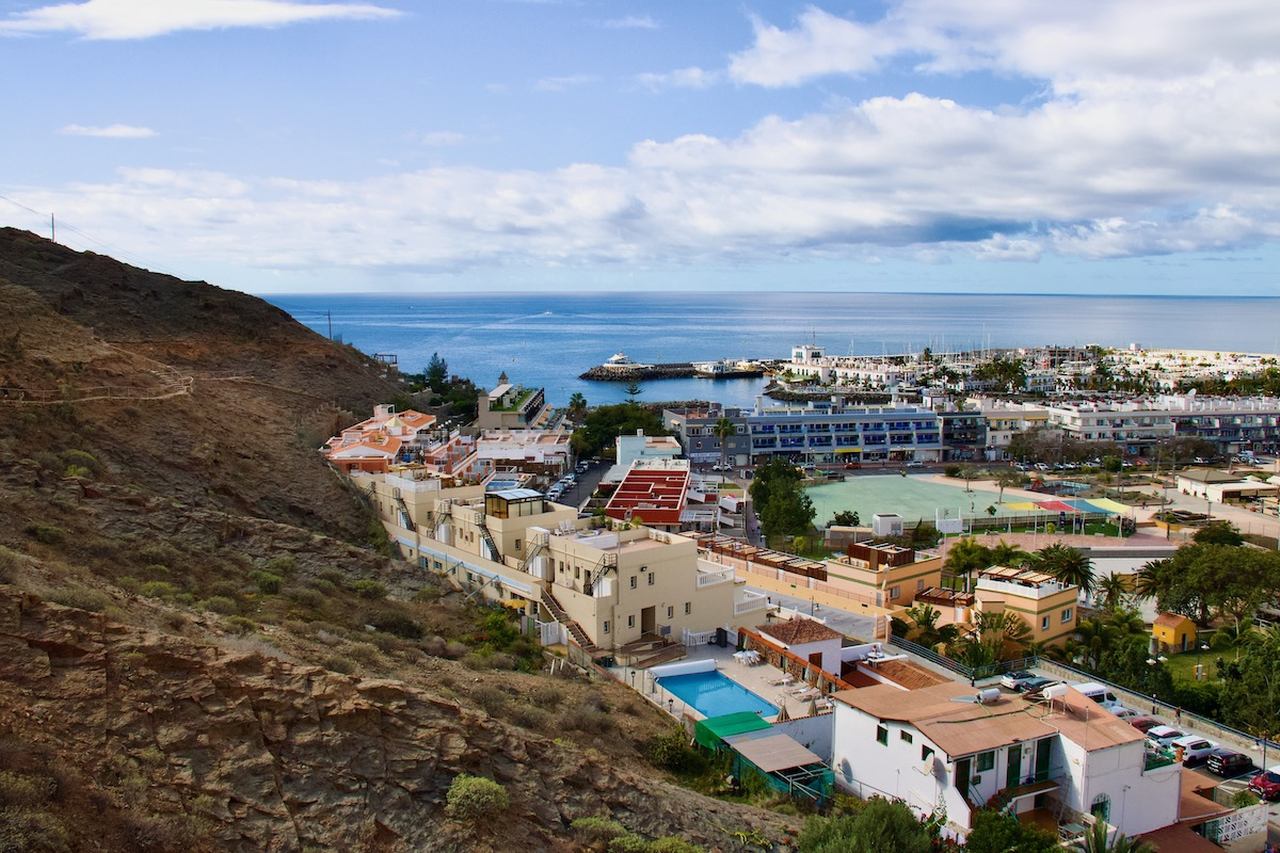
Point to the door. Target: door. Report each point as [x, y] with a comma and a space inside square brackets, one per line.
[1013, 773]
[815, 659]
[1043, 747]
[964, 769]
[648, 624]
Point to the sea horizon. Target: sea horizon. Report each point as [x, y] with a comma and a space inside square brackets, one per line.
[548, 339]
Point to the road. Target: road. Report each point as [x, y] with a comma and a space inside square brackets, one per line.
[578, 494]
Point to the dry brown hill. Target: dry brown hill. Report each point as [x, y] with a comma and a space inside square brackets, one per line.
[201, 644]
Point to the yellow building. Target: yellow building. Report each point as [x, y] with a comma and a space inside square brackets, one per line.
[891, 574]
[1044, 603]
[1174, 632]
[607, 586]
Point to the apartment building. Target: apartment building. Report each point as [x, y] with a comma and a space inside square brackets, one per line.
[1130, 424]
[948, 749]
[606, 587]
[891, 574]
[510, 406]
[1049, 608]
[870, 372]
[1004, 421]
[695, 432]
[390, 438]
[545, 454]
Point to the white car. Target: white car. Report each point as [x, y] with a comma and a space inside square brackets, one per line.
[1164, 735]
[1195, 749]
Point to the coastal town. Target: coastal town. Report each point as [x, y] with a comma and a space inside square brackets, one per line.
[989, 616]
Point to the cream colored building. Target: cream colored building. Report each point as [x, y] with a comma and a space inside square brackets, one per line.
[607, 586]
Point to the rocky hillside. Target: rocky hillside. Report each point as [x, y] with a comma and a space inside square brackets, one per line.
[203, 643]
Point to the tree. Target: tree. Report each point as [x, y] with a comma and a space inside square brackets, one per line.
[1005, 554]
[1113, 590]
[633, 392]
[723, 429]
[789, 511]
[603, 424]
[475, 798]
[437, 373]
[577, 404]
[1066, 565]
[1218, 533]
[1112, 464]
[847, 518]
[1009, 479]
[880, 826]
[999, 832]
[1202, 579]
[1095, 841]
[966, 556]
[1004, 631]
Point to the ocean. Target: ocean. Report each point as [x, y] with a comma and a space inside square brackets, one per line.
[548, 339]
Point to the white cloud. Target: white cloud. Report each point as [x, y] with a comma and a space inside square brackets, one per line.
[140, 19]
[682, 78]
[110, 131]
[441, 138]
[1115, 160]
[631, 22]
[561, 84]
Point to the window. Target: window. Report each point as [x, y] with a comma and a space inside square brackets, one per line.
[650, 578]
[986, 761]
[1101, 807]
[517, 544]
[577, 572]
[1044, 623]
[631, 621]
[633, 581]
[925, 752]
[906, 736]
[606, 626]
[882, 735]
[688, 608]
[919, 585]
[671, 611]
[1066, 614]
[894, 592]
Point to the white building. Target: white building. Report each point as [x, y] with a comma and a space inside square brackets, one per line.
[809, 639]
[629, 449]
[939, 750]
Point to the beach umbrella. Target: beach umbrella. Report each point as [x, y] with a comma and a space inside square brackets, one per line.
[813, 707]
[783, 716]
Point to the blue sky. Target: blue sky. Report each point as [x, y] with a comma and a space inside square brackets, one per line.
[281, 145]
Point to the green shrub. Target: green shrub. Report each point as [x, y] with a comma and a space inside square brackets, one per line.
[323, 586]
[530, 717]
[240, 625]
[952, 471]
[338, 663]
[369, 589]
[474, 798]
[672, 844]
[308, 598]
[47, 534]
[159, 589]
[427, 595]
[81, 459]
[24, 829]
[454, 649]
[80, 598]
[546, 695]
[395, 623]
[283, 566]
[671, 751]
[629, 844]
[17, 789]
[597, 830]
[78, 471]
[11, 564]
[268, 583]
[588, 718]
[365, 653]
[490, 698]
[159, 552]
[220, 604]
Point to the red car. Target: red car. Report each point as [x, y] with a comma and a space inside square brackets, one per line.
[1144, 724]
[1267, 784]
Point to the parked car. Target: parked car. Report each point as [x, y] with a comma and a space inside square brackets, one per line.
[1195, 749]
[1016, 680]
[1267, 783]
[915, 463]
[1124, 713]
[1227, 762]
[1036, 685]
[1164, 735]
[1144, 724]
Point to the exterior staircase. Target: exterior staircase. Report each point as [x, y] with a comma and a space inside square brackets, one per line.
[575, 630]
[494, 553]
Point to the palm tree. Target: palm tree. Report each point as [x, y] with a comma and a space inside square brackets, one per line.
[723, 429]
[577, 404]
[1005, 554]
[1092, 639]
[967, 556]
[1095, 841]
[1147, 581]
[1113, 590]
[1066, 564]
[1127, 622]
[1005, 631]
[1008, 478]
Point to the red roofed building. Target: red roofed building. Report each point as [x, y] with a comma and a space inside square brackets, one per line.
[375, 443]
[654, 491]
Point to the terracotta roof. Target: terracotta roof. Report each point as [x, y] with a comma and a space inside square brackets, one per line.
[798, 631]
[1170, 620]
[1177, 838]
[1192, 807]
[910, 675]
[963, 728]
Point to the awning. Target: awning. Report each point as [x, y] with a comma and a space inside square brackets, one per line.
[774, 752]
[711, 731]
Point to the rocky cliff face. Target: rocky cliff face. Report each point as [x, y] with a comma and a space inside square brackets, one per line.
[263, 754]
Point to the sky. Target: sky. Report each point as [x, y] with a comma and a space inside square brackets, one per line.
[289, 146]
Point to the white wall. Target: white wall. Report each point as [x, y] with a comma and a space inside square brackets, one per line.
[1140, 802]
[829, 649]
[814, 733]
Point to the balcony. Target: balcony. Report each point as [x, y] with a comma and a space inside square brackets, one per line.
[1154, 758]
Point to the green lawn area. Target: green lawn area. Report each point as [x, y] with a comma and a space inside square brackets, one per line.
[1183, 666]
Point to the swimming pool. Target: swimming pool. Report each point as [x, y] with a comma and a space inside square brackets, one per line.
[712, 694]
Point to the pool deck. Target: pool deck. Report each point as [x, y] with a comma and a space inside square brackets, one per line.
[754, 678]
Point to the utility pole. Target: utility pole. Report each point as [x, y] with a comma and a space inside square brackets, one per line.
[329, 316]
[53, 229]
